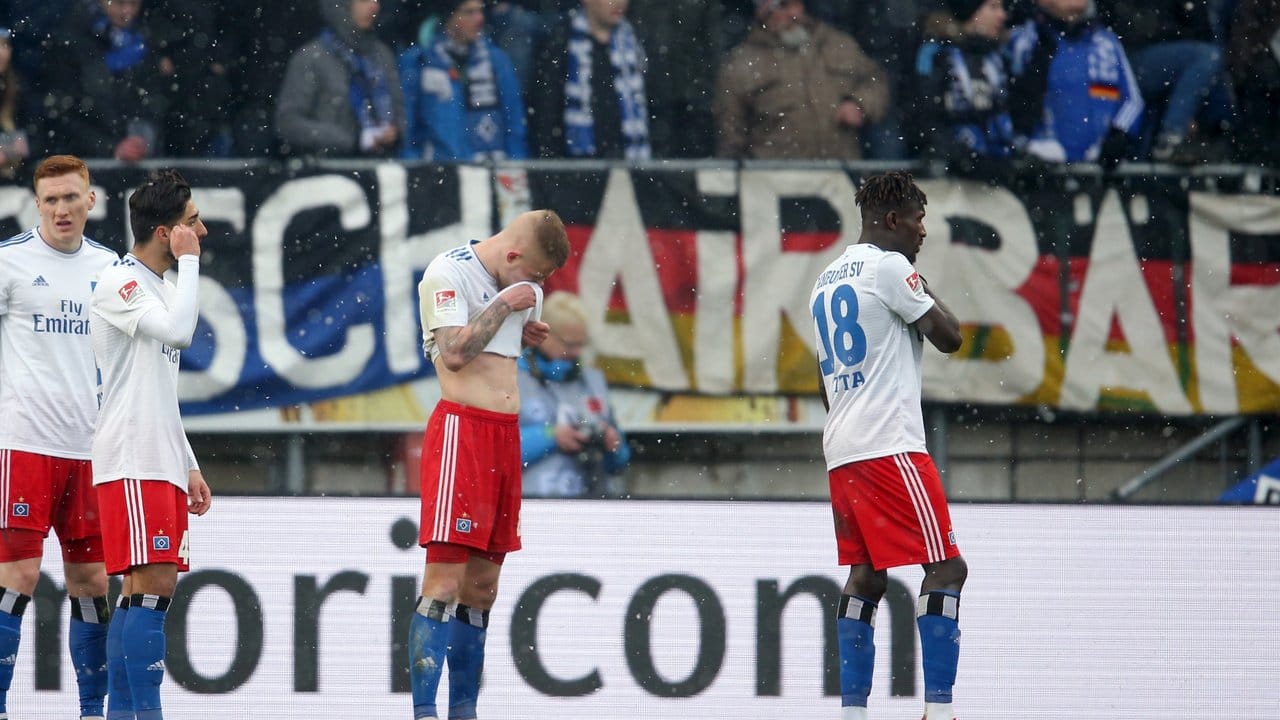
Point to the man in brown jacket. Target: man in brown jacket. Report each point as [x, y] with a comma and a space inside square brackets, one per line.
[797, 89]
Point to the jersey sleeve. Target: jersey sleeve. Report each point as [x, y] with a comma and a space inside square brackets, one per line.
[122, 301]
[441, 302]
[900, 286]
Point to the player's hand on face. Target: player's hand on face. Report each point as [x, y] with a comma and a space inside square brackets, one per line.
[534, 333]
[184, 241]
[199, 499]
[520, 296]
[569, 438]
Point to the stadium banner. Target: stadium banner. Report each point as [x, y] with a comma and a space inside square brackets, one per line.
[1145, 293]
[721, 610]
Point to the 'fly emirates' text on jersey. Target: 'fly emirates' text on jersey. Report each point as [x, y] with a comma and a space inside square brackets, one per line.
[48, 381]
[863, 305]
[455, 288]
[139, 321]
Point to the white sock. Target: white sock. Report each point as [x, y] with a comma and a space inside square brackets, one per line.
[853, 712]
[938, 711]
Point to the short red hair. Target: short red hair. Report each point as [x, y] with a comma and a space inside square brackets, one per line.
[58, 165]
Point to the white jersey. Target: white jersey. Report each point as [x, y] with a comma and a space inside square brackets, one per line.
[48, 381]
[863, 306]
[456, 287]
[139, 433]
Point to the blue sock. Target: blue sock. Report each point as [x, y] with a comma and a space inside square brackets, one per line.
[120, 704]
[938, 617]
[855, 630]
[467, 633]
[12, 605]
[144, 648]
[88, 642]
[428, 637]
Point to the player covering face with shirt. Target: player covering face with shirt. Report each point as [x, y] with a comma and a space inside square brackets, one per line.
[480, 305]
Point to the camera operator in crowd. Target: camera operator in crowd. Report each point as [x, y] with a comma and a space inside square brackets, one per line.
[570, 443]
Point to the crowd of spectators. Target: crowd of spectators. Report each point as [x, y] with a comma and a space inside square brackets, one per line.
[977, 85]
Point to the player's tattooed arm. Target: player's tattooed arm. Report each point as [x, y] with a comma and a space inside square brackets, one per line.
[461, 345]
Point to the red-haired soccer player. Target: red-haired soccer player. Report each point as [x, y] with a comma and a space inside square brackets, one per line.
[48, 402]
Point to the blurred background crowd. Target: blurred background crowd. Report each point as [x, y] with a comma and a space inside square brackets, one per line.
[979, 86]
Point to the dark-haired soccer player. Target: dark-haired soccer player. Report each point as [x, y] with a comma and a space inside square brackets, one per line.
[146, 475]
[48, 402]
[871, 311]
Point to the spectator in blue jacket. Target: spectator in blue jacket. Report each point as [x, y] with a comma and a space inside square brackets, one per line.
[1180, 70]
[1072, 72]
[462, 97]
[569, 440]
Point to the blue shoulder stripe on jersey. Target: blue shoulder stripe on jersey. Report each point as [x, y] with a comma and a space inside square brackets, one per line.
[18, 239]
[98, 245]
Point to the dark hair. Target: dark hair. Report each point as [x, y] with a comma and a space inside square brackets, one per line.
[160, 201]
[894, 190]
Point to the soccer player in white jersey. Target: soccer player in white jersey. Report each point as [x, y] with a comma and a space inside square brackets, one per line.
[48, 402]
[480, 306]
[146, 475]
[871, 311]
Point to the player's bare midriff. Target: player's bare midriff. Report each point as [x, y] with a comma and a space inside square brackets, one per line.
[488, 382]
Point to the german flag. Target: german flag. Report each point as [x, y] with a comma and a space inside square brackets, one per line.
[1100, 91]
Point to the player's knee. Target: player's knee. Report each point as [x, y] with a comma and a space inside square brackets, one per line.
[85, 578]
[444, 589]
[480, 594]
[154, 579]
[21, 577]
[866, 582]
[949, 574]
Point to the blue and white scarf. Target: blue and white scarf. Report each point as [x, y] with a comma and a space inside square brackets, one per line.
[481, 84]
[370, 94]
[628, 63]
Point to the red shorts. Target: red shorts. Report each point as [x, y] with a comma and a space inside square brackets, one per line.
[39, 492]
[471, 479]
[144, 522]
[891, 511]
